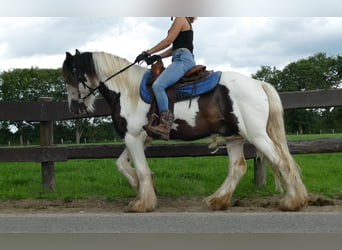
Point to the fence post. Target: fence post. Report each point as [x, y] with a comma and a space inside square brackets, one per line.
[259, 171]
[46, 139]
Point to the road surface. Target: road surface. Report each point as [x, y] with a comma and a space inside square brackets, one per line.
[212, 222]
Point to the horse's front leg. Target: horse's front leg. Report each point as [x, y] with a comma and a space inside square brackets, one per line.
[123, 164]
[146, 199]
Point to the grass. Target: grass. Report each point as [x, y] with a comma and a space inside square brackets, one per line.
[322, 173]
[312, 136]
[175, 177]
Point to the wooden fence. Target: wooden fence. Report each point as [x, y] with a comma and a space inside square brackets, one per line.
[47, 111]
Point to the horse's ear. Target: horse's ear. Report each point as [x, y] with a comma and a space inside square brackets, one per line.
[68, 55]
[77, 52]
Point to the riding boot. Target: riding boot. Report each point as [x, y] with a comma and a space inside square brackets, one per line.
[164, 126]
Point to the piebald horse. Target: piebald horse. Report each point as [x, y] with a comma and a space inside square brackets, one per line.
[237, 110]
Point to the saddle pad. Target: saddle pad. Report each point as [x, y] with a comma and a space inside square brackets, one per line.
[190, 90]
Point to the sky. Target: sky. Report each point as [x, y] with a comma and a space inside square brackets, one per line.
[239, 35]
[241, 44]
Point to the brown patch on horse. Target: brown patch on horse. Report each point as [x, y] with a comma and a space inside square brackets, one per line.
[113, 100]
[218, 112]
[215, 116]
[240, 162]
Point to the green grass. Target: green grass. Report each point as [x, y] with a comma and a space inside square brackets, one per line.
[322, 173]
[313, 136]
[175, 177]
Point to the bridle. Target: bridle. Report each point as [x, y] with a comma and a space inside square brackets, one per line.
[81, 79]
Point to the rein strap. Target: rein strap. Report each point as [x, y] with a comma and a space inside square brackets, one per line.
[92, 91]
[117, 73]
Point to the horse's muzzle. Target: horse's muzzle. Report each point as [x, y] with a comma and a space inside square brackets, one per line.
[78, 108]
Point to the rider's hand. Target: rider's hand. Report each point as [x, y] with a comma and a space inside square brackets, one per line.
[151, 59]
[143, 56]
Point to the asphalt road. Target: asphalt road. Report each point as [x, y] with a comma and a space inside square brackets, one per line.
[214, 222]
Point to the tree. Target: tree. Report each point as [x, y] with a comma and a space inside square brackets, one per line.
[269, 74]
[5, 134]
[102, 129]
[315, 72]
[29, 85]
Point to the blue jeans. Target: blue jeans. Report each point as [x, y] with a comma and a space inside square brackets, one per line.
[182, 61]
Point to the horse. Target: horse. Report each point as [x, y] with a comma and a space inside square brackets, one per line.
[238, 110]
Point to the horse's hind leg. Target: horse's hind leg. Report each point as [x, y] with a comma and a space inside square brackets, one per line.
[283, 163]
[220, 200]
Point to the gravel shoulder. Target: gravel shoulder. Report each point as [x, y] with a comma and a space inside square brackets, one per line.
[166, 204]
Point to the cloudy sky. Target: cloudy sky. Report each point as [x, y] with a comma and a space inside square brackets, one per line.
[37, 33]
[223, 43]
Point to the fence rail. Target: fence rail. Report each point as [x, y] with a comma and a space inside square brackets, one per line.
[64, 153]
[47, 111]
[58, 111]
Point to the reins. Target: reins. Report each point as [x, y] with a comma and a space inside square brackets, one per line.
[93, 90]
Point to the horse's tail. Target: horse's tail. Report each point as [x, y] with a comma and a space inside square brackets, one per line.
[275, 123]
[286, 169]
[276, 131]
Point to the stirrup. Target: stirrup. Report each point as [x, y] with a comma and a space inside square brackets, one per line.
[153, 121]
[165, 136]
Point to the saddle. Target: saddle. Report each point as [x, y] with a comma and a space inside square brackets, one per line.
[194, 75]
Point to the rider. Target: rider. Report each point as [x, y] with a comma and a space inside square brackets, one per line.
[180, 36]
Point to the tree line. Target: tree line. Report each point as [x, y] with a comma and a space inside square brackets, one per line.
[319, 71]
[315, 72]
[31, 84]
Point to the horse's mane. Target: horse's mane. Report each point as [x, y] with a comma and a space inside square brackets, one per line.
[127, 82]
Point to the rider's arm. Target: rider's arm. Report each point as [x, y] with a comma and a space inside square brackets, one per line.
[170, 38]
[166, 53]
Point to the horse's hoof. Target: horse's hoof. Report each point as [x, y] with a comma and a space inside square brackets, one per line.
[137, 206]
[217, 202]
[293, 204]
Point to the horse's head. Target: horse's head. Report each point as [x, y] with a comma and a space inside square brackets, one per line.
[78, 72]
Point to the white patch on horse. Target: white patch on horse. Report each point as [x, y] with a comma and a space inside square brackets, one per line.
[90, 100]
[72, 93]
[247, 97]
[182, 111]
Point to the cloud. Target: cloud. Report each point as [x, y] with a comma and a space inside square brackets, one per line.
[128, 37]
[252, 42]
[39, 35]
[241, 44]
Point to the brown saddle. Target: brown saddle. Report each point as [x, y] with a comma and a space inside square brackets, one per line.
[194, 75]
